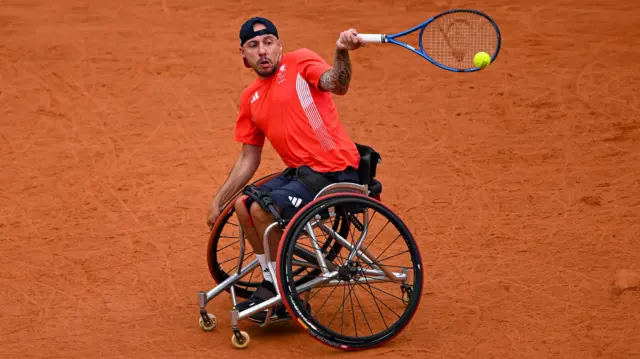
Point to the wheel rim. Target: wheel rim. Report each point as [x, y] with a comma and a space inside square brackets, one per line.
[325, 330]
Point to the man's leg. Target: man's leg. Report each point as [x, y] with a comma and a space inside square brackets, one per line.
[289, 199]
[244, 207]
[262, 220]
[255, 221]
[254, 235]
[247, 226]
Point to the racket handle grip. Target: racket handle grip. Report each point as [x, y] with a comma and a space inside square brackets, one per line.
[378, 38]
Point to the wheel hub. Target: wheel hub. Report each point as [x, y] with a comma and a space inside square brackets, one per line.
[348, 271]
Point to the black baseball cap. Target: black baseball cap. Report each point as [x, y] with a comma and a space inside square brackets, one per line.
[247, 33]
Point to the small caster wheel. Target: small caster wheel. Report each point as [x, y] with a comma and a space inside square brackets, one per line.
[407, 291]
[406, 298]
[240, 344]
[208, 327]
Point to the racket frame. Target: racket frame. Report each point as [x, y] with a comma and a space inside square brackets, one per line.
[391, 38]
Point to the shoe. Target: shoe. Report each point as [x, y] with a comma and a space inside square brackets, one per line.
[265, 291]
[278, 313]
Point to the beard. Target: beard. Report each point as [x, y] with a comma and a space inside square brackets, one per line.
[263, 72]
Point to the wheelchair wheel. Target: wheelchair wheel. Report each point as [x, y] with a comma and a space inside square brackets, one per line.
[364, 298]
[224, 249]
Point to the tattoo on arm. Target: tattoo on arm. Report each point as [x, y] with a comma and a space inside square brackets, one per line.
[338, 78]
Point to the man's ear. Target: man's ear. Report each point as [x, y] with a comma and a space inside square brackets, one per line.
[244, 58]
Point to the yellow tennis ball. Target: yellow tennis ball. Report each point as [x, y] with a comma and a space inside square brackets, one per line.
[482, 60]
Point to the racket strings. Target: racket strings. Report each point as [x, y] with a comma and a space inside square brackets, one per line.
[454, 39]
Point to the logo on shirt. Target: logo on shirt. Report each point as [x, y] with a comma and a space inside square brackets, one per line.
[255, 97]
[281, 73]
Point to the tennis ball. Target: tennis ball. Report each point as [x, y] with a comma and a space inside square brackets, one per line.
[482, 60]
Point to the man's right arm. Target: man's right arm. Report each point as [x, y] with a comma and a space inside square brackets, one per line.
[245, 167]
[337, 79]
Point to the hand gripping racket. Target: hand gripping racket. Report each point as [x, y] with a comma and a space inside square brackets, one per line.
[451, 39]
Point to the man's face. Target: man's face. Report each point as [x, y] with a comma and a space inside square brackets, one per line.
[263, 53]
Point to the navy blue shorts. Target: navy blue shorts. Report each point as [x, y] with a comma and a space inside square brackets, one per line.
[290, 194]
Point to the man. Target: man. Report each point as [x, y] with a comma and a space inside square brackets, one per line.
[289, 104]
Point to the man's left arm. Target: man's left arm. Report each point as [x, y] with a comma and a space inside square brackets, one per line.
[338, 78]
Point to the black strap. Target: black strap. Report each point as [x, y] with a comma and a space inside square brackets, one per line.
[265, 201]
[289, 172]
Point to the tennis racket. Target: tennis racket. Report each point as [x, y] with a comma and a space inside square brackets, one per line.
[451, 39]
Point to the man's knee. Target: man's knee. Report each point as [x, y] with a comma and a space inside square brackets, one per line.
[257, 213]
[240, 205]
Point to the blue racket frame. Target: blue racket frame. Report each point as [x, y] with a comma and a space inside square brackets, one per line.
[386, 38]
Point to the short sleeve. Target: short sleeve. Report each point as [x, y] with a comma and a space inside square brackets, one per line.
[246, 129]
[311, 66]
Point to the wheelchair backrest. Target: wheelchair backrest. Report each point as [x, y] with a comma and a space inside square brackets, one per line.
[369, 160]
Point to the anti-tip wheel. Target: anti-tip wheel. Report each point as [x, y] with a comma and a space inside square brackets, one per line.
[245, 340]
[407, 291]
[204, 326]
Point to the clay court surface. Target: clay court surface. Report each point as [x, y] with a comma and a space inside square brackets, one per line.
[521, 182]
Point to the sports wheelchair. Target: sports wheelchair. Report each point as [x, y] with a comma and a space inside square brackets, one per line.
[323, 251]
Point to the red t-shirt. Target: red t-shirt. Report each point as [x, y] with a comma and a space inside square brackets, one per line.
[300, 121]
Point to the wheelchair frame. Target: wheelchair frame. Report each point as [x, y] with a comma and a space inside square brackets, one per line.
[240, 339]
